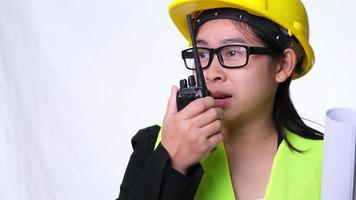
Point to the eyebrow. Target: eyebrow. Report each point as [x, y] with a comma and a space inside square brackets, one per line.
[232, 40]
[202, 42]
[225, 41]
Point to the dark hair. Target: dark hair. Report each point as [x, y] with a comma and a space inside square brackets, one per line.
[285, 116]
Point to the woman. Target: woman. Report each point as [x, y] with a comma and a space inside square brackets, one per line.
[246, 141]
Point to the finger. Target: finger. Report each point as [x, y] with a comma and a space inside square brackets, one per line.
[197, 107]
[208, 117]
[211, 129]
[172, 102]
[215, 140]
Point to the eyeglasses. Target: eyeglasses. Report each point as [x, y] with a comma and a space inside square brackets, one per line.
[229, 56]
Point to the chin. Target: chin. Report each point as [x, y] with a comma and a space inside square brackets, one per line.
[230, 116]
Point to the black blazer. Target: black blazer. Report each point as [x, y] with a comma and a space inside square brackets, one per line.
[149, 176]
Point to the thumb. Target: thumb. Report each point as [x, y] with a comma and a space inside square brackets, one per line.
[172, 102]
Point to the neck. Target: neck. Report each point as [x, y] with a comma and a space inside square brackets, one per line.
[249, 133]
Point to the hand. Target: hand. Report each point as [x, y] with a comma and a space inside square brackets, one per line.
[189, 135]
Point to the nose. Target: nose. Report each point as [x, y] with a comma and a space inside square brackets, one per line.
[215, 72]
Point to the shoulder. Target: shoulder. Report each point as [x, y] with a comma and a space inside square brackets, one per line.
[306, 145]
[145, 138]
[308, 161]
[296, 175]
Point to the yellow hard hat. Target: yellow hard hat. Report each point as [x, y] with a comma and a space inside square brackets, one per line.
[289, 14]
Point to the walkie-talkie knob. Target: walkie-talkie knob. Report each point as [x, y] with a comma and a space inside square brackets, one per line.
[183, 83]
[191, 81]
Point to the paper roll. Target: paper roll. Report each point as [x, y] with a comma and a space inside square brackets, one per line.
[338, 176]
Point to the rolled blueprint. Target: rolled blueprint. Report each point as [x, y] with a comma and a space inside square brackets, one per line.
[338, 176]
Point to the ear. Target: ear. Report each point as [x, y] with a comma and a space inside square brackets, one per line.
[286, 65]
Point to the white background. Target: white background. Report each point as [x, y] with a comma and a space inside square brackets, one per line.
[78, 78]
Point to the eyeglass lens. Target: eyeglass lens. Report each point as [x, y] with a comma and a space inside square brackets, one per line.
[229, 56]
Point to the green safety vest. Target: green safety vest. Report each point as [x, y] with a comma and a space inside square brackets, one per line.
[294, 176]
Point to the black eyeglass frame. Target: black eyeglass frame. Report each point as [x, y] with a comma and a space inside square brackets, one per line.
[212, 51]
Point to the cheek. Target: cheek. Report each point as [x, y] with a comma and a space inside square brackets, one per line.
[257, 90]
[261, 76]
[254, 82]
[261, 82]
[254, 86]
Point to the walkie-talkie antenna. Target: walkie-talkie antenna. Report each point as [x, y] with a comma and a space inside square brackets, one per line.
[198, 68]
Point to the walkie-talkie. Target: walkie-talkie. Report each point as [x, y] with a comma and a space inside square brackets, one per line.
[193, 89]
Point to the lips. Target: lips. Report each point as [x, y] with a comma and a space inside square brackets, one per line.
[221, 95]
[221, 98]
